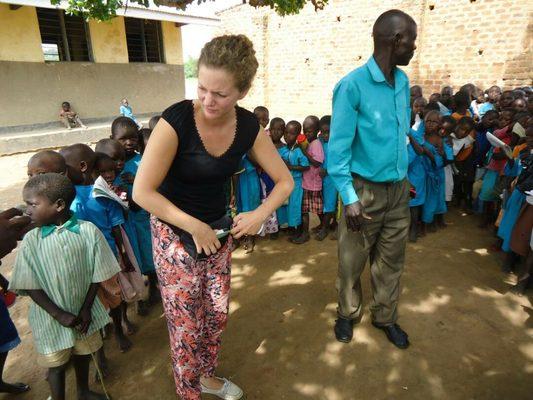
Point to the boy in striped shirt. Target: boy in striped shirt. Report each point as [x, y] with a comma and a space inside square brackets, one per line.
[60, 265]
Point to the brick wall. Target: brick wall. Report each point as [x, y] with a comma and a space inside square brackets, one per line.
[301, 57]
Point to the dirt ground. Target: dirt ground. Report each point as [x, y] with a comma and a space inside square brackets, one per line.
[470, 338]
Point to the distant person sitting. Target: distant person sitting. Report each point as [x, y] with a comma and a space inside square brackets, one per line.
[69, 117]
[126, 111]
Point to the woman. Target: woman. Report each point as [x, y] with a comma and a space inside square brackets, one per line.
[194, 149]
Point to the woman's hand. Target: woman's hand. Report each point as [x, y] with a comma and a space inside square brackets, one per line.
[247, 223]
[205, 239]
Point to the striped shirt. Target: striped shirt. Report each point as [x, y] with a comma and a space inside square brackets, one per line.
[63, 263]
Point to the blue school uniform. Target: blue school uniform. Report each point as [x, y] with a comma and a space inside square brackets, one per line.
[102, 212]
[291, 213]
[138, 224]
[9, 338]
[249, 188]
[329, 191]
[510, 216]
[416, 172]
[435, 189]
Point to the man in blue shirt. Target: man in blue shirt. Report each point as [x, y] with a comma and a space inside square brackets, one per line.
[367, 160]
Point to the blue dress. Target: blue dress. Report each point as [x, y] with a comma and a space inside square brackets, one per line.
[329, 191]
[138, 224]
[291, 213]
[435, 189]
[9, 338]
[126, 111]
[511, 210]
[416, 172]
[249, 187]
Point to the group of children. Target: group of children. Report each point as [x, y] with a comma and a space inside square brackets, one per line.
[91, 271]
[303, 147]
[473, 148]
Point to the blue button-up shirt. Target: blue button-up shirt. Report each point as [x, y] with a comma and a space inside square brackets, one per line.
[369, 127]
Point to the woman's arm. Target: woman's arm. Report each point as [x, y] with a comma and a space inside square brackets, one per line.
[156, 162]
[266, 155]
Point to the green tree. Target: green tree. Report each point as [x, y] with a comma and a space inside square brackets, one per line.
[191, 68]
[103, 10]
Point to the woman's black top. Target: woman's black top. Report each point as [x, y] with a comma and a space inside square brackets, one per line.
[196, 179]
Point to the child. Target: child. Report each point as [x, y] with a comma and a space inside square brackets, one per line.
[60, 265]
[329, 192]
[435, 203]
[417, 115]
[463, 150]
[46, 161]
[297, 162]
[506, 100]
[477, 103]
[311, 182]
[153, 122]
[69, 117]
[249, 197]
[108, 217]
[448, 127]
[262, 115]
[277, 130]
[125, 132]
[126, 111]
[461, 102]
[493, 97]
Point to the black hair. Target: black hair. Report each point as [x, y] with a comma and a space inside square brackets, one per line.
[123, 123]
[52, 186]
[461, 100]
[276, 120]
[260, 109]
[153, 121]
[316, 121]
[100, 157]
[50, 156]
[522, 114]
[509, 110]
[325, 120]
[431, 106]
[78, 152]
[295, 123]
[385, 28]
[519, 94]
[492, 112]
[65, 103]
[466, 121]
[104, 145]
[449, 119]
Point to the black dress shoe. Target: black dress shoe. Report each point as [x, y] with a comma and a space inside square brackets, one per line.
[395, 334]
[344, 330]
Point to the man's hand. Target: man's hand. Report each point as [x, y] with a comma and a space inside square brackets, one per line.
[355, 216]
[12, 224]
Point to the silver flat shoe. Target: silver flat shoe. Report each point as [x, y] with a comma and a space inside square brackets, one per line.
[229, 390]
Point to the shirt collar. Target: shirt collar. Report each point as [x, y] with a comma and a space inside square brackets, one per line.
[378, 76]
[71, 225]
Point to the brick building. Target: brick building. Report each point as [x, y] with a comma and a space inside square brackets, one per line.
[301, 57]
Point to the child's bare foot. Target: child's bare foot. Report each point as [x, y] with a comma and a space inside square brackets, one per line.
[124, 344]
[13, 388]
[321, 235]
[90, 395]
[303, 238]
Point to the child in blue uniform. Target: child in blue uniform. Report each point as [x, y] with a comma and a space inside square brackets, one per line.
[416, 174]
[125, 132]
[297, 163]
[329, 192]
[249, 195]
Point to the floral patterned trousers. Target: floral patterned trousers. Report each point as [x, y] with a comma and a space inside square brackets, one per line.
[195, 299]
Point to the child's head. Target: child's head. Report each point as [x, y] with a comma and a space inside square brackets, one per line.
[418, 106]
[506, 100]
[80, 163]
[124, 101]
[448, 125]
[144, 135]
[434, 98]
[494, 93]
[153, 121]
[46, 161]
[490, 119]
[446, 95]
[325, 123]
[416, 92]
[48, 198]
[262, 115]
[506, 117]
[461, 101]
[65, 106]
[479, 96]
[519, 94]
[292, 130]
[125, 130]
[520, 105]
[432, 122]
[113, 149]
[469, 89]
[277, 129]
[464, 127]
[311, 127]
[105, 167]
[431, 106]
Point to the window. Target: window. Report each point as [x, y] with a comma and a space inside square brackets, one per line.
[64, 37]
[144, 40]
